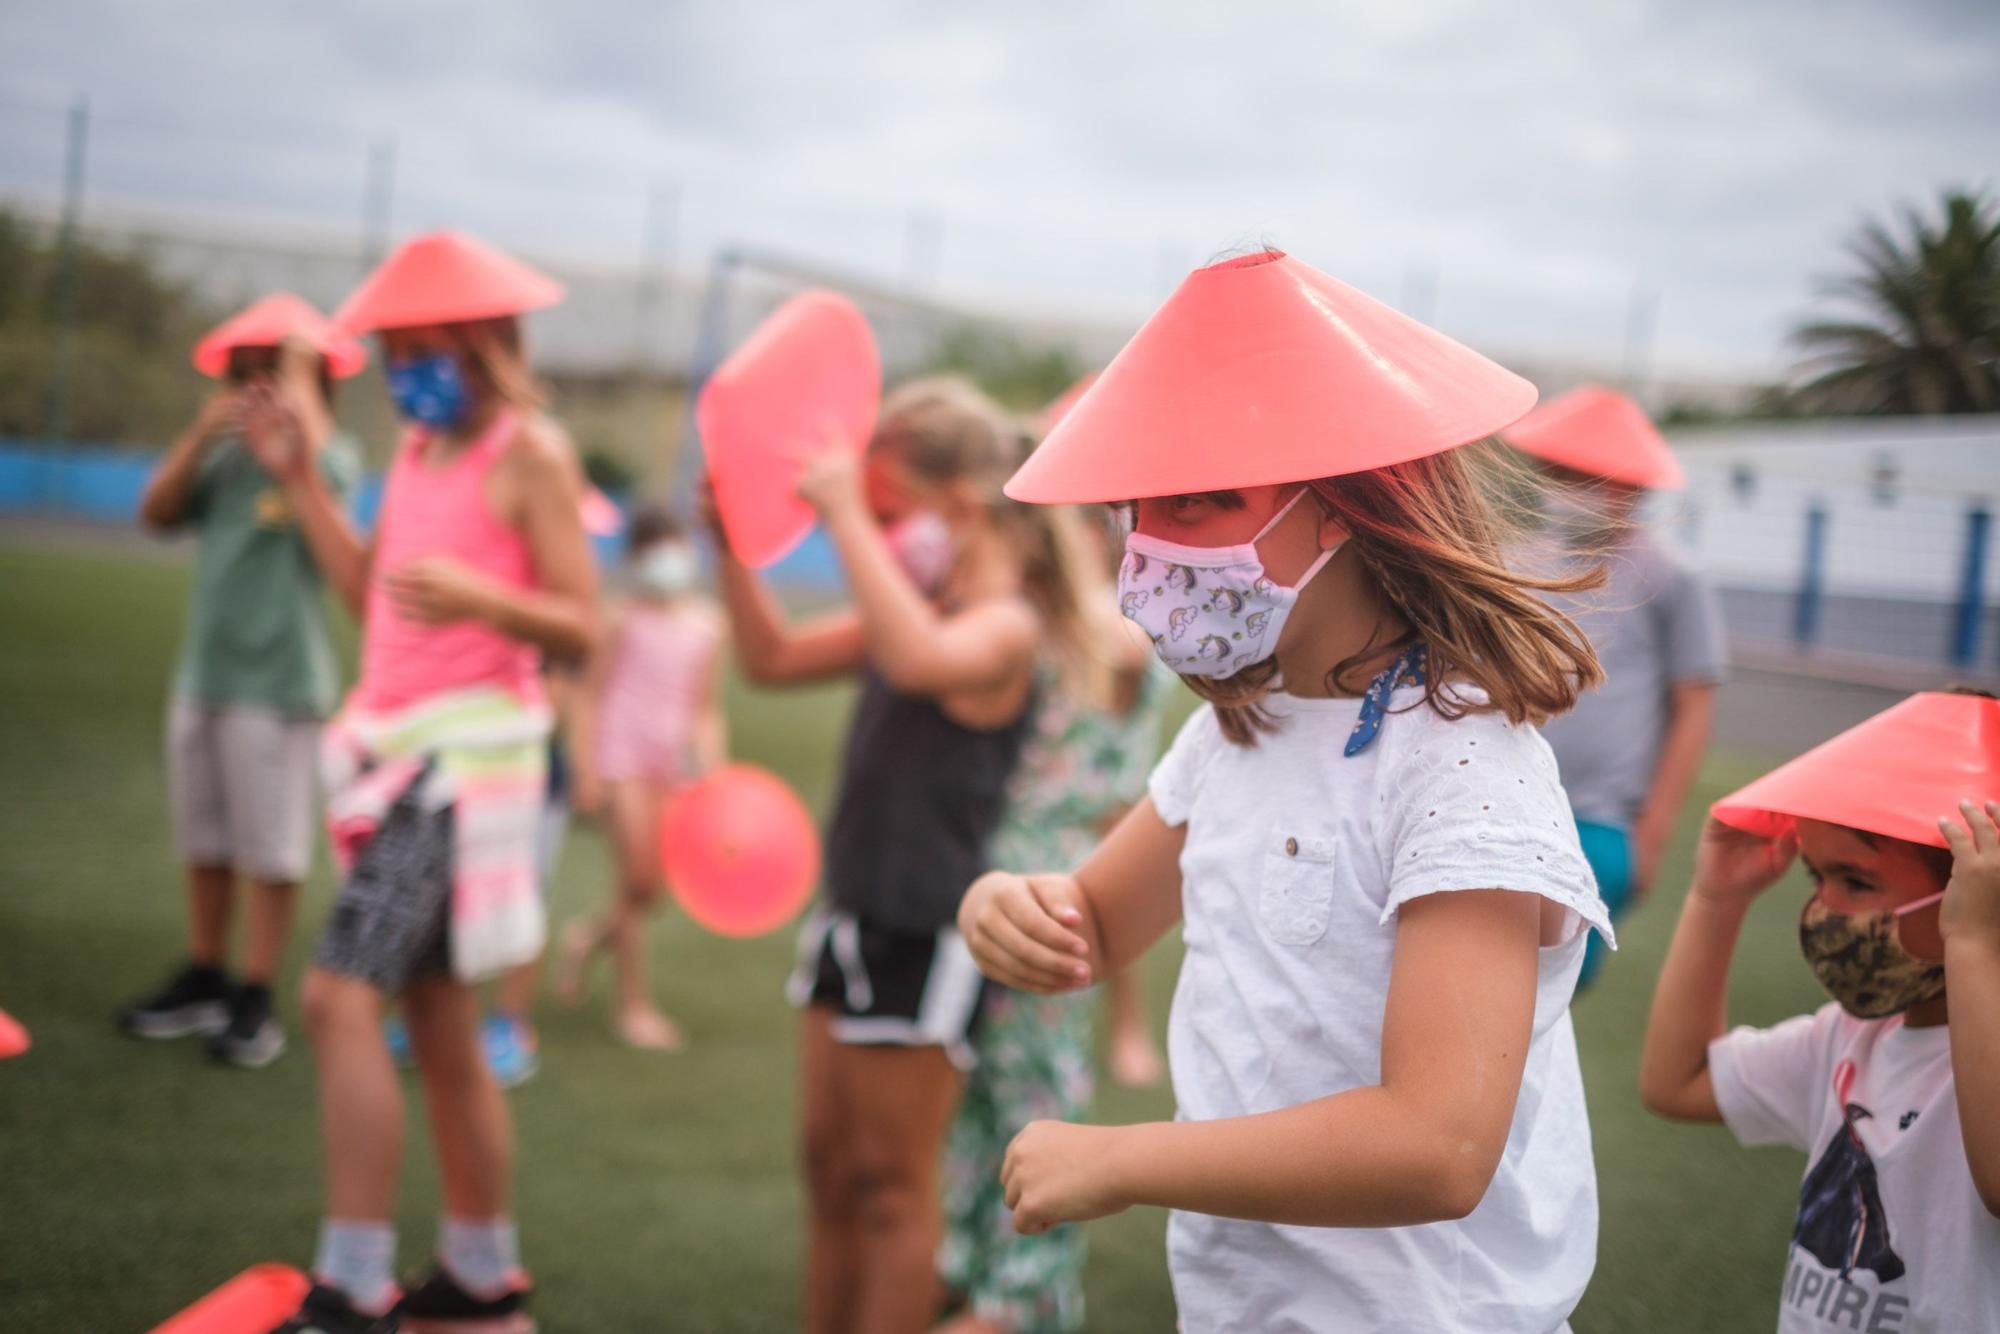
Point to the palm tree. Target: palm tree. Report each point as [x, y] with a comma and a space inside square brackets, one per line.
[1926, 332]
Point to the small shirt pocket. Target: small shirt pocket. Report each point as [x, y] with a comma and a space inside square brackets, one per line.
[1296, 896]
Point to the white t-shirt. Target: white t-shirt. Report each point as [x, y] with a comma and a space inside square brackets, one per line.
[1297, 857]
[1891, 1236]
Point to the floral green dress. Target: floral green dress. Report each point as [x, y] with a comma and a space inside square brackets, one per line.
[1079, 766]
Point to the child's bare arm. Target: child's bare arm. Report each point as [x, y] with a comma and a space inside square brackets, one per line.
[1970, 920]
[1690, 1001]
[919, 650]
[171, 486]
[1690, 715]
[1059, 932]
[1420, 1146]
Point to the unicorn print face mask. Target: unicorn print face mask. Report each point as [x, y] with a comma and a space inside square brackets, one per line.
[1210, 611]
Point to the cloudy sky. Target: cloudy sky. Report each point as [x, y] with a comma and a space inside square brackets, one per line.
[1519, 174]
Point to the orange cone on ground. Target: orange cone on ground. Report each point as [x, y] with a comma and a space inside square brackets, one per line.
[254, 1302]
[14, 1039]
[1263, 370]
[1600, 432]
[808, 376]
[739, 850]
[443, 278]
[267, 322]
[1896, 774]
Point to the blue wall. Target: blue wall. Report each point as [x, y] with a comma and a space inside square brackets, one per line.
[103, 483]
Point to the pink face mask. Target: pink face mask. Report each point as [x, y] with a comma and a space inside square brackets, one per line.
[1210, 611]
[925, 548]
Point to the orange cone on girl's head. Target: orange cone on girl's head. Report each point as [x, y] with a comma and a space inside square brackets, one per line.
[1600, 432]
[1059, 406]
[1895, 775]
[444, 278]
[254, 1302]
[1262, 370]
[268, 322]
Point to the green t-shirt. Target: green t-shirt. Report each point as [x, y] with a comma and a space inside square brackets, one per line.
[257, 630]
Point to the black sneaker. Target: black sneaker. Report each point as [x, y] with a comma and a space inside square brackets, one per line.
[253, 1039]
[436, 1304]
[327, 1311]
[196, 1001]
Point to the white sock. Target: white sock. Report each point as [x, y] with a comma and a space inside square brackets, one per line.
[359, 1258]
[480, 1253]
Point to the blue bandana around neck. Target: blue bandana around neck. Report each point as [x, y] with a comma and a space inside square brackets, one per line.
[1406, 670]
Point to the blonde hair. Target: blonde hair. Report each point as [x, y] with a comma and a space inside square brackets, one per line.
[1433, 533]
[945, 431]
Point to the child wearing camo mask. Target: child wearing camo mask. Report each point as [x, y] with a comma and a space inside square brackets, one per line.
[1892, 1090]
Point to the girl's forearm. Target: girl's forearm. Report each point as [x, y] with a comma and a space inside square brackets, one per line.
[556, 623]
[1972, 972]
[164, 503]
[337, 549]
[1363, 1158]
[1690, 1010]
[756, 622]
[1692, 713]
[900, 626]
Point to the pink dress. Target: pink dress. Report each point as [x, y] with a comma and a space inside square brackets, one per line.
[654, 691]
[442, 511]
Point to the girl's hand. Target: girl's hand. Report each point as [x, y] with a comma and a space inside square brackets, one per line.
[221, 412]
[1731, 868]
[1022, 931]
[1971, 909]
[273, 433]
[831, 481]
[1056, 1172]
[437, 590]
[709, 515]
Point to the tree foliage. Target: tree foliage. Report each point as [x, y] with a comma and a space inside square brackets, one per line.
[1921, 325]
[130, 380]
[1019, 375]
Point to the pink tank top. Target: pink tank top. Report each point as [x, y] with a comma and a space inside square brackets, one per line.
[441, 510]
[654, 690]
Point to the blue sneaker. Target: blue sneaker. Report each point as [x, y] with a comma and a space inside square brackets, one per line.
[398, 1038]
[510, 1050]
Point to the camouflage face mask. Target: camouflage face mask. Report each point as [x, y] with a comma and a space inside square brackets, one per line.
[1861, 961]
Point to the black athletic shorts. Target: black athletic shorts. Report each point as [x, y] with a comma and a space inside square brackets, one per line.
[889, 988]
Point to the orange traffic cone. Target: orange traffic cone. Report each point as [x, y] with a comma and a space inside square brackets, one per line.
[1600, 432]
[254, 1302]
[1896, 774]
[808, 376]
[1263, 370]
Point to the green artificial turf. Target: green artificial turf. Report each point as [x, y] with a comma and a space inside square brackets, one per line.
[655, 1193]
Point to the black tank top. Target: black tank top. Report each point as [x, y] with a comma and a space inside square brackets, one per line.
[920, 797]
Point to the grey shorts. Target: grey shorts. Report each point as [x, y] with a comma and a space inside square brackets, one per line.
[391, 922]
[241, 785]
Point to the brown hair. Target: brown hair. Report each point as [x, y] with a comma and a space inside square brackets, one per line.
[1433, 534]
[247, 362]
[652, 522]
[944, 430]
[495, 354]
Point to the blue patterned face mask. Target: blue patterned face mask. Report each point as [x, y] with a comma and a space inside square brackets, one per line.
[429, 390]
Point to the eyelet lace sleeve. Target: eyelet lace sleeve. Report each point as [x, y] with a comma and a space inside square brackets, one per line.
[1475, 803]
